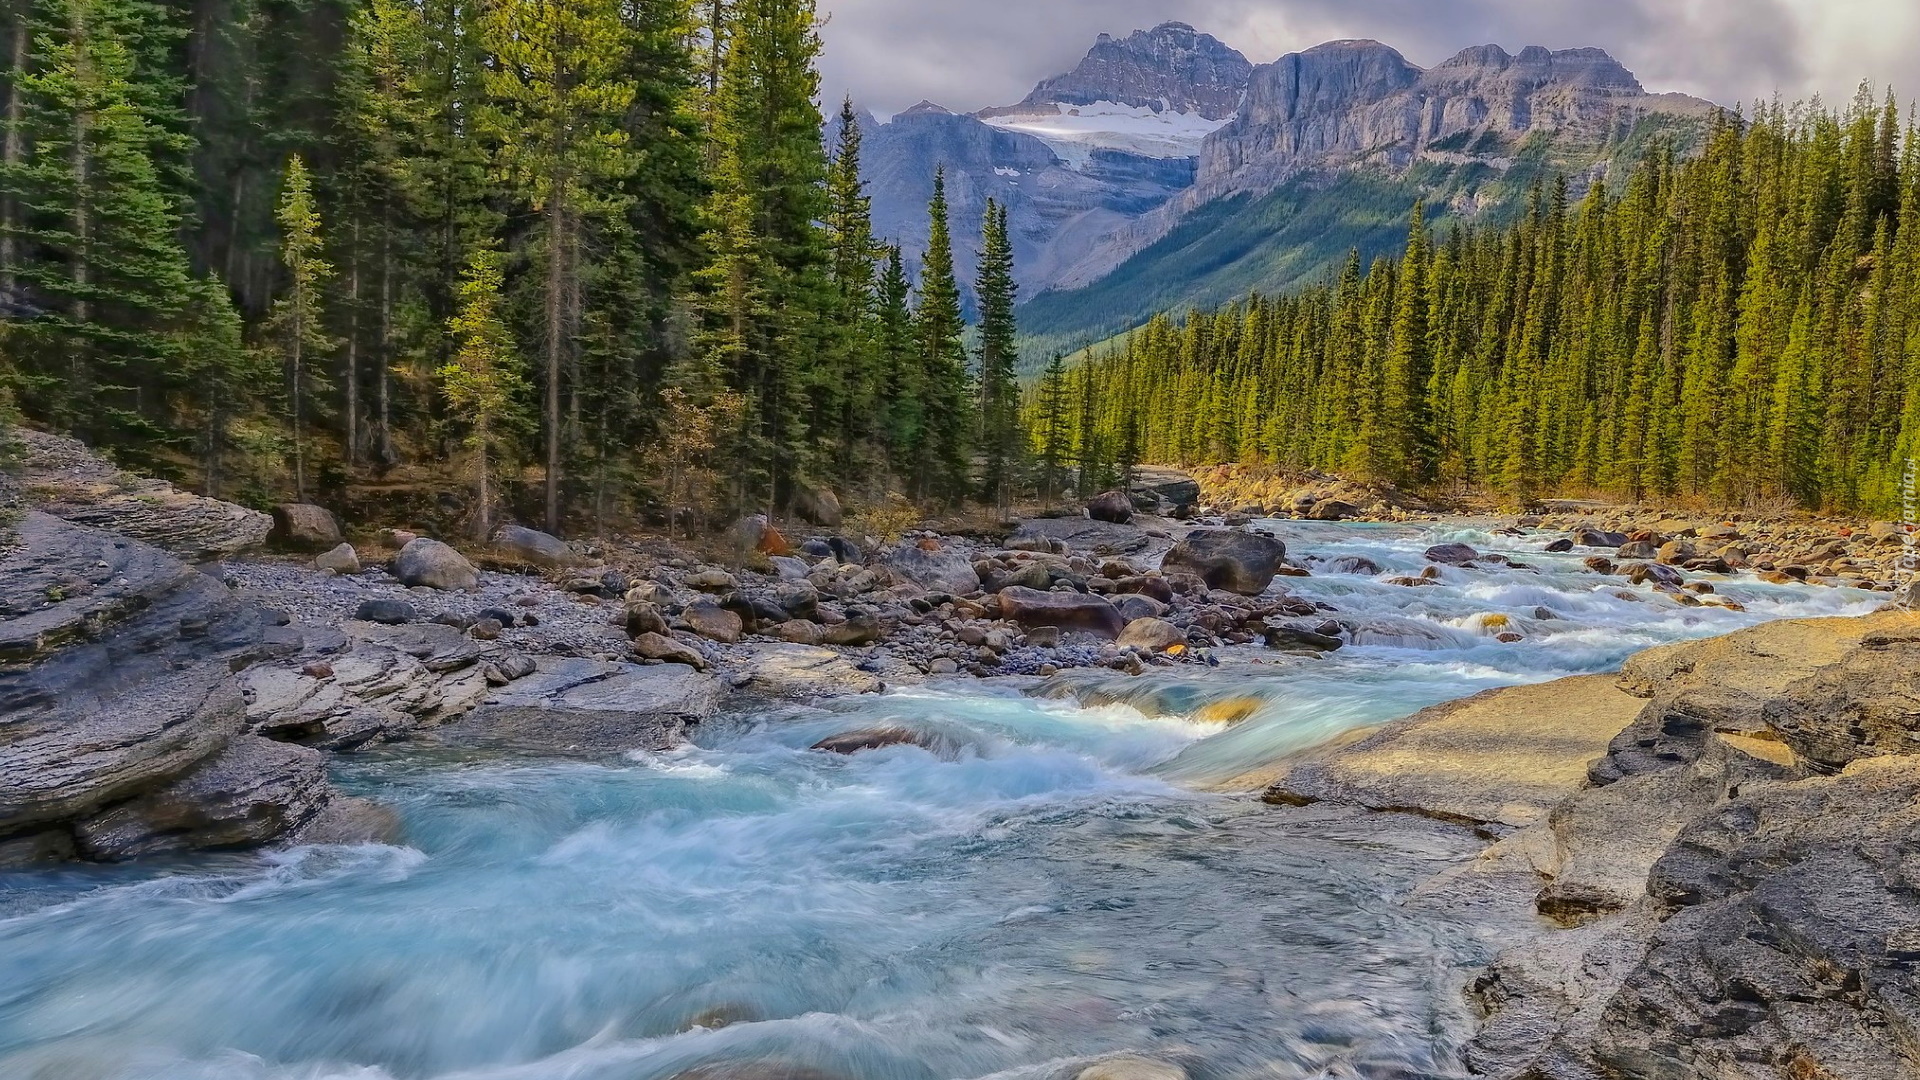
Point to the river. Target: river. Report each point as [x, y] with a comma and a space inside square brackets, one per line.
[1063, 880]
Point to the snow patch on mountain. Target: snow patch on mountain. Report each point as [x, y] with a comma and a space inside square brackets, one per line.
[1075, 131]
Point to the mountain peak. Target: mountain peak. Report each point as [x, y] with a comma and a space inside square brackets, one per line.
[1537, 66]
[927, 108]
[1172, 67]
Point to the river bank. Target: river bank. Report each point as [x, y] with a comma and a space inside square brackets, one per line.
[1047, 857]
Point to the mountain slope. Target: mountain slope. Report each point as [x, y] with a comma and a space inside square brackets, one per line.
[1330, 148]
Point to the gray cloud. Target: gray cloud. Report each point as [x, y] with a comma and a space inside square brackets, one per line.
[891, 53]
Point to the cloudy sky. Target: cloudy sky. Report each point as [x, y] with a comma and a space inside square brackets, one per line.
[968, 54]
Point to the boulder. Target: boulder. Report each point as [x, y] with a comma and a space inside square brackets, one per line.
[1146, 585]
[1332, 510]
[1600, 538]
[788, 568]
[1358, 565]
[940, 570]
[1177, 493]
[1081, 534]
[387, 611]
[533, 547]
[304, 526]
[1067, 611]
[1113, 507]
[1675, 552]
[757, 534]
[434, 565]
[798, 599]
[1133, 606]
[1031, 575]
[1281, 634]
[651, 645]
[1639, 550]
[713, 622]
[1153, 635]
[1452, 554]
[799, 632]
[642, 617]
[818, 504]
[854, 742]
[1230, 559]
[340, 560]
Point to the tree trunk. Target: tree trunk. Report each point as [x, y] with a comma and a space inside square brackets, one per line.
[353, 351]
[483, 512]
[383, 434]
[294, 359]
[556, 336]
[14, 150]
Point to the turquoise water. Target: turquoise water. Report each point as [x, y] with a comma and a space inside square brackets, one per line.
[1060, 882]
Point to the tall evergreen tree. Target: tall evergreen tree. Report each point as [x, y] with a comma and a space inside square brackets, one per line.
[297, 329]
[1000, 436]
[942, 465]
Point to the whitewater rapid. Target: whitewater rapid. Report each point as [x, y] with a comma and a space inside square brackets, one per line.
[1064, 880]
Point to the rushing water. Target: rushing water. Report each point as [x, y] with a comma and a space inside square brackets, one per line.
[1061, 883]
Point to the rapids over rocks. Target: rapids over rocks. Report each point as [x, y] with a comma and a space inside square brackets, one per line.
[1062, 873]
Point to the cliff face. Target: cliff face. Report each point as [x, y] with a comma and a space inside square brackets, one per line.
[1360, 102]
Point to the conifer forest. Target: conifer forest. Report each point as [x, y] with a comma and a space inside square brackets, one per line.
[1741, 326]
[589, 259]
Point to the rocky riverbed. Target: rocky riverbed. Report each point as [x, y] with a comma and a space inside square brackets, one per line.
[1670, 872]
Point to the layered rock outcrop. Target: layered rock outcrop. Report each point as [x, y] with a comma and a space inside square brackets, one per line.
[120, 716]
[1734, 873]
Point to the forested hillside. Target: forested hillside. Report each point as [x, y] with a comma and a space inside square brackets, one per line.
[580, 257]
[1742, 327]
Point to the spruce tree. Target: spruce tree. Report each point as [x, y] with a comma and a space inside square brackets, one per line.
[297, 329]
[559, 97]
[484, 385]
[942, 465]
[1000, 437]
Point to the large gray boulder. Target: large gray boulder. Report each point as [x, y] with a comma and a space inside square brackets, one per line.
[305, 526]
[1084, 534]
[534, 547]
[937, 570]
[436, 566]
[1066, 610]
[1230, 559]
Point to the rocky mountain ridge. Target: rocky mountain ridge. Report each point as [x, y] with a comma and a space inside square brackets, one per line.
[1100, 163]
[1360, 105]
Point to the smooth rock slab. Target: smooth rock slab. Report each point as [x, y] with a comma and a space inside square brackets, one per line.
[1506, 756]
[800, 671]
[587, 706]
[1084, 534]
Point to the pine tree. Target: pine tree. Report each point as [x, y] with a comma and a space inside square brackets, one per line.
[484, 385]
[94, 207]
[999, 386]
[942, 465]
[559, 99]
[767, 294]
[297, 329]
[1051, 431]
